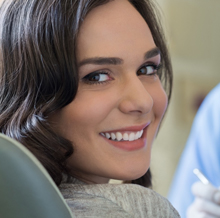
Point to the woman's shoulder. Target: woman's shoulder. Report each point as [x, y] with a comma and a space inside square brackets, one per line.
[116, 200]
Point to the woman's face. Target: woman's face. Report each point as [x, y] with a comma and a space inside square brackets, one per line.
[120, 102]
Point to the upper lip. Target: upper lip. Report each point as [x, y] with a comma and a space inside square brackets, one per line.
[130, 128]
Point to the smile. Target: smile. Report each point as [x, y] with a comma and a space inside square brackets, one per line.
[120, 136]
[128, 138]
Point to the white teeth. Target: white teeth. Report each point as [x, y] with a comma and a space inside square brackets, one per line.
[131, 137]
[141, 133]
[118, 136]
[125, 137]
[107, 135]
[113, 136]
[137, 135]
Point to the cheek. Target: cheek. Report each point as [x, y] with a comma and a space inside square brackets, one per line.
[160, 101]
[91, 108]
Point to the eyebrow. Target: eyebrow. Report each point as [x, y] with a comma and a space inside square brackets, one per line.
[101, 61]
[152, 53]
[115, 61]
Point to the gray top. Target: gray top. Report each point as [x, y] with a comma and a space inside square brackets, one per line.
[115, 200]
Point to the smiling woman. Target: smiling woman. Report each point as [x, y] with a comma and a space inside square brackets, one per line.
[90, 80]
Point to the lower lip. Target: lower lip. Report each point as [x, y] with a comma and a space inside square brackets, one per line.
[130, 145]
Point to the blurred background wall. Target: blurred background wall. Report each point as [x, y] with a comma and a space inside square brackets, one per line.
[193, 34]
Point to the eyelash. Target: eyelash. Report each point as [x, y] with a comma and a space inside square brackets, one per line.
[154, 66]
[87, 78]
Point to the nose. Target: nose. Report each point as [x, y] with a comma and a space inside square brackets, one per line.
[135, 99]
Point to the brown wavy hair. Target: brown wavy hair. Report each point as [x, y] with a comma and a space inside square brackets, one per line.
[39, 71]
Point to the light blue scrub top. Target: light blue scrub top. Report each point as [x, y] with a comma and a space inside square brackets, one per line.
[202, 151]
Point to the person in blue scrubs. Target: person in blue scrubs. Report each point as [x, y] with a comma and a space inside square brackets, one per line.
[202, 151]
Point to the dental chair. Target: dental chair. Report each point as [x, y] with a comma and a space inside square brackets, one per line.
[26, 189]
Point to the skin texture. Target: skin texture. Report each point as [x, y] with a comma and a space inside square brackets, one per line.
[119, 99]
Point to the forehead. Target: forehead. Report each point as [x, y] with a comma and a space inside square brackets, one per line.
[115, 27]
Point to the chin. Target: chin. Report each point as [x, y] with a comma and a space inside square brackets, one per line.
[132, 175]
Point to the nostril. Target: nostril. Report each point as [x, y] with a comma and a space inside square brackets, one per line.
[135, 95]
[137, 105]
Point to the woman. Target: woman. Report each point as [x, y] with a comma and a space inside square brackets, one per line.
[81, 88]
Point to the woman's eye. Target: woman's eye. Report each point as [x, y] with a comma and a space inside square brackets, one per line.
[148, 70]
[97, 77]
